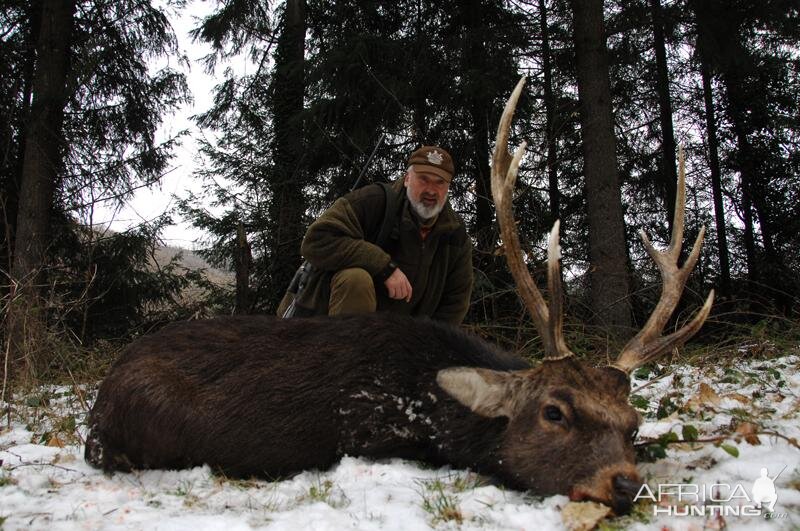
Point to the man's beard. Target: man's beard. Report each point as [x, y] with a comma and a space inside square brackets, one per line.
[425, 212]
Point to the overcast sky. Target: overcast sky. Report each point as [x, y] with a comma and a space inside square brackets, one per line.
[149, 204]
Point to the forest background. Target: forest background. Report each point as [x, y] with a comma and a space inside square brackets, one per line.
[613, 88]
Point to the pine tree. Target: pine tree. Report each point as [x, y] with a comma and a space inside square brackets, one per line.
[41, 164]
[607, 248]
[288, 178]
[669, 171]
[744, 46]
[85, 111]
[442, 55]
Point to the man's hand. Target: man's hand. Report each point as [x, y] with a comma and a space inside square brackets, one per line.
[398, 286]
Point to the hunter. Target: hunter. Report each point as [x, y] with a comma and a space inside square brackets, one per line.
[424, 265]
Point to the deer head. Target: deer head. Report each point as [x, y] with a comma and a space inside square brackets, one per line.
[570, 425]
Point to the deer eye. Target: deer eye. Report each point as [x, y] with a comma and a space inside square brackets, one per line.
[553, 414]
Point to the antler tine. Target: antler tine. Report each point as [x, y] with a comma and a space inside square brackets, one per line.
[504, 176]
[678, 217]
[556, 320]
[648, 344]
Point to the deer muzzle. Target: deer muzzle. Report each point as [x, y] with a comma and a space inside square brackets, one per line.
[610, 486]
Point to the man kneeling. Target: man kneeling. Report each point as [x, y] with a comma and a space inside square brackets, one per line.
[424, 266]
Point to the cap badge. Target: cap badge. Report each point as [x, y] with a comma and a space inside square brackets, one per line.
[434, 157]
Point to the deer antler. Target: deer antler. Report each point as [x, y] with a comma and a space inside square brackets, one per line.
[548, 321]
[648, 344]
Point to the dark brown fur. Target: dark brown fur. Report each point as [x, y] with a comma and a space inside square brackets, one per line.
[269, 397]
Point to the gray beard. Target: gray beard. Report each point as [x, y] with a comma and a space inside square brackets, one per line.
[422, 211]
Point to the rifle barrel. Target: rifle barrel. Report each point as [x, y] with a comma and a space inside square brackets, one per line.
[369, 160]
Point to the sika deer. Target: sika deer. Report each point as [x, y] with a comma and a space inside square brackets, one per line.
[271, 397]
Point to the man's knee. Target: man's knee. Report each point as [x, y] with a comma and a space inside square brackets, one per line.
[352, 291]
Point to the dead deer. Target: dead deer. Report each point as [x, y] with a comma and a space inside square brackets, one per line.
[259, 396]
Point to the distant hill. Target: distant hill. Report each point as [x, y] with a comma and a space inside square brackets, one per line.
[194, 300]
[191, 260]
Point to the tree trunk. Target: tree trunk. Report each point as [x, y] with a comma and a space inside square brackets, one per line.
[40, 168]
[607, 248]
[13, 163]
[243, 261]
[288, 200]
[747, 173]
[484, 212]
[716, 179]
[719, 39]
[764, 270]
[479, 107]
[669, 170]
[550, 108]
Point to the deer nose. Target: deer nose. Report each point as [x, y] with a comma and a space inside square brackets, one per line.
[625, 490]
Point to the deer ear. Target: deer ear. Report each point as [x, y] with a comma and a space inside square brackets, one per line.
[488, 393]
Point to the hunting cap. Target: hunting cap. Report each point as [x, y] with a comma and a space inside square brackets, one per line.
[433, 159]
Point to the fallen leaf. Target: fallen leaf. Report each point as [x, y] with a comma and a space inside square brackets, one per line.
[55, 441]
[705, 397]
[738, 397]
[583, 516]
[748, 432]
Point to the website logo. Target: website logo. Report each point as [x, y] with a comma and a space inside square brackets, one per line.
[718, 499]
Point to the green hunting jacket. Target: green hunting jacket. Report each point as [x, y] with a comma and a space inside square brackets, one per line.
[439, 268]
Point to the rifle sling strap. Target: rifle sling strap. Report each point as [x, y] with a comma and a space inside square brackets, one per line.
[390, 216]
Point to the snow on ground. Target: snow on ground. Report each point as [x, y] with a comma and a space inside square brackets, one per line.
[745, 417]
